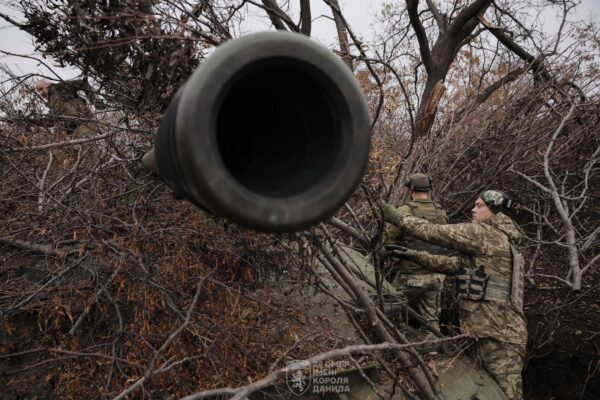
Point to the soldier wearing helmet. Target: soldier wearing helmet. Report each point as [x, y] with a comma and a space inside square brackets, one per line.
[489, 280]
[423, 291]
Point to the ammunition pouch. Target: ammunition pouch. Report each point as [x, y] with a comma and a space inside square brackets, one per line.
[471, 284]
[498, 290]
[477, 285]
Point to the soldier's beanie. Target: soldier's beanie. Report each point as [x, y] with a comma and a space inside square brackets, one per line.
[497, 200]
[418, 183]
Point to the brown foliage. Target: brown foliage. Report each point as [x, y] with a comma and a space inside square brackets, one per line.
[99, 259]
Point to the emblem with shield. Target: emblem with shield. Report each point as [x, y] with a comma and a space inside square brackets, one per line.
[298, 376]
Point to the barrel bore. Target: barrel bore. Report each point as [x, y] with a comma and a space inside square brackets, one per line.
[271, 132]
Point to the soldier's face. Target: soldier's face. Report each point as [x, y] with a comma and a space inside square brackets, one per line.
[481, 212]
[42, 89]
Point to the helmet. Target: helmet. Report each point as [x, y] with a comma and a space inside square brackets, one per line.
[497, 200]
[418, 183]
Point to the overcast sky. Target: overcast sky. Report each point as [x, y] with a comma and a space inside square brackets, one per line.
[359, 13]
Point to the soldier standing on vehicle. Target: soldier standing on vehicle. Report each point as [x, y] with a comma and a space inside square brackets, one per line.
[63, 100]
[423, 291]
[489, 280]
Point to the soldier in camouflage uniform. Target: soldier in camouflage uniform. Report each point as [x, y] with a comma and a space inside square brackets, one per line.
[423, 291]
[489, 286]
[63, 100]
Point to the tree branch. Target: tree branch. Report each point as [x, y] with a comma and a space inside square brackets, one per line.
[341, 32]
[574, 268]
[277, 16]
[413, 14]
[509, 77]
[363, 54]
[245, 391]
[416, 373]
[305, 17]
[12, 21]
[43, 181]
[61, 144]
[150, 369]
[409, 107]
[466, 15]
[536, 64]
[344, 227]
[36, 248]
[440, 18]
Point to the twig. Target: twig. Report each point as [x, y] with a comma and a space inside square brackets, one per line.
[344, 227]
[60, 144]
[37, 248]
[87, 309]
[35, 293]
[150, 369]
[43, 181]
[416, 373]
[245, 391]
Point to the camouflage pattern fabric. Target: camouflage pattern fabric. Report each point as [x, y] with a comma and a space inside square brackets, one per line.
[485, 244]
[63, 101]
[424, 290]
[426, 299]
[504, 362]
[429, 304]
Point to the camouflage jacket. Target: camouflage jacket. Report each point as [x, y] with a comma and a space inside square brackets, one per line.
[63, 99]
[486, 244]
[396, 236]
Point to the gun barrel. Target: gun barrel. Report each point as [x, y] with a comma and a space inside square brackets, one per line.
[271, 131]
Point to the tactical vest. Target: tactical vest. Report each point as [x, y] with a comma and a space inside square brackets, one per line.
[476, 285]
[435, 216]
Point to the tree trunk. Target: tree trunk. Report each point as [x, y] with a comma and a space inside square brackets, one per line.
[432, 94]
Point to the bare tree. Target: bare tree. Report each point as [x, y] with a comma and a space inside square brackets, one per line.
[442, 31]
[568, 200]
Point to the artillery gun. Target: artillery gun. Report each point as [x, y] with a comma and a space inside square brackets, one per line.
[272, 132]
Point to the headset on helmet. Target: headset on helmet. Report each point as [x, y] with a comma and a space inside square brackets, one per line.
[418, 183]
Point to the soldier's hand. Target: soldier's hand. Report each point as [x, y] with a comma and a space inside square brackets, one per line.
[389, 212]
[404, 253]
[400, 252]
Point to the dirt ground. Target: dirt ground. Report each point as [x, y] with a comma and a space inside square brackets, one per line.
[564, 343]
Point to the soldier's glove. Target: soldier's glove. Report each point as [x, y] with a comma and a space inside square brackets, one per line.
[411, 269]
[404, 253]
[400, 252]
[390, 213]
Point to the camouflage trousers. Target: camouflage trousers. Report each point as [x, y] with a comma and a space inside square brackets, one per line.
[426, 300]
[504, 361]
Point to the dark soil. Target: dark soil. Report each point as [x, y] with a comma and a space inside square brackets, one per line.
[564, 343]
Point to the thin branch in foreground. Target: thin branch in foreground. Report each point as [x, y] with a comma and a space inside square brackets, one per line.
[245, 391]
[150, 369]
[61, 144]
[36, 248]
